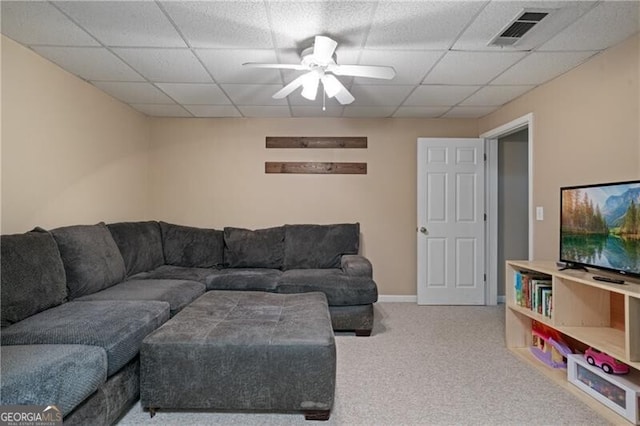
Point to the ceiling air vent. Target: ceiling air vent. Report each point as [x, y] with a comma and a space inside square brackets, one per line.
[517, 28]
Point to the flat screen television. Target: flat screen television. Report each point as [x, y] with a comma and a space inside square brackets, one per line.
[600, 227]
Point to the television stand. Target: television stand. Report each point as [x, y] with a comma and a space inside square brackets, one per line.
[585, 311]
[570, 265]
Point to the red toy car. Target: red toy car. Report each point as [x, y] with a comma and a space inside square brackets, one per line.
[608, 363]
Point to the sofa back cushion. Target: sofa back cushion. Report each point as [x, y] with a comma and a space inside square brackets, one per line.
[91, 258]
[192, 247]
[140, 244]
[319, 246]
[32, 276]
[262, 248]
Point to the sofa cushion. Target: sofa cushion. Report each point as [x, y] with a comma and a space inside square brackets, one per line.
[91, 258]
[32, 274]
[62, 375]
[261, 248]
[116, 326]
[178, 293]
[192, 247]
[258, 279]
[170, 272]
[340, 289]
[140, 244]
[319, 246]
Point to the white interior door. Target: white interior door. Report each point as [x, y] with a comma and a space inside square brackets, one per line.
[451, 223]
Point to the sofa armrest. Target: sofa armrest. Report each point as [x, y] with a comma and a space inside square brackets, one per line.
[356, 265]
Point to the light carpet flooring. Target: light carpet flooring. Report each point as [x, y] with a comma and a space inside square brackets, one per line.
[423, 365]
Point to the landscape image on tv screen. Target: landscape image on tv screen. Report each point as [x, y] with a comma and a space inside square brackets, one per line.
[600, 226]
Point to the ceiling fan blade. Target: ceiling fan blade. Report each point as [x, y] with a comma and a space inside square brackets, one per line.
[369, 71]
[289, 88]
[334, 88]
[323, 48]
[298, 67]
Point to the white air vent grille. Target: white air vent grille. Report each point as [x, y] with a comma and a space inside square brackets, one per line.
[517, 28]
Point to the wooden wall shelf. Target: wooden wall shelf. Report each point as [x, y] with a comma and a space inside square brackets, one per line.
[316, 142]
[315, 168]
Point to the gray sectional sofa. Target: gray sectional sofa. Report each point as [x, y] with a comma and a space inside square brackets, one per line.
[78, 301]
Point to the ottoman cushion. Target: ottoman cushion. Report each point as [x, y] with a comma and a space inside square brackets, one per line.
[242, 351]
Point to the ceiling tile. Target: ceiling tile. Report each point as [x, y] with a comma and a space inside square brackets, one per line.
[296, 23]
[540, 67]
[420, 112]
[165, 65]
[195, 94]
[439, 95]
[265, 111]
[213, 110]
[368, 111]
[315, 111]
[155, 110]
[31, 22]
[132, 23]
[605, 25]
[471, 67]
[89, 63]
[225, 65]
[221, 23]
[133, 93]
[498, 14]
[410, 66]
[495, 95]
[372, 95]
[469, 112]
[253, 94]
[420, 24]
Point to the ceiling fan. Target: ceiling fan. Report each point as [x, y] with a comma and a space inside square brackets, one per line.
[320, 62]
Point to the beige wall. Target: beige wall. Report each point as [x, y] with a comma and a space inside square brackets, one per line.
[210, 172]
[585, 130]
[70, 153]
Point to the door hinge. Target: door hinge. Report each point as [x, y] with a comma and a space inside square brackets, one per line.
[485, 157]
[485, 217]
[485, 278]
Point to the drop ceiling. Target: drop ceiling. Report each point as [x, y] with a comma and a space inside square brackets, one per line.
[184, 59]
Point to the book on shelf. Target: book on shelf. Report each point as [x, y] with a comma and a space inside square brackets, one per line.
[529, 288]
[546, 302]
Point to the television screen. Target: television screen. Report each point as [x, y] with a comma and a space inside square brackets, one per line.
[600, 226]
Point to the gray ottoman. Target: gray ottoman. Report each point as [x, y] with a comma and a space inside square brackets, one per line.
[240, 351]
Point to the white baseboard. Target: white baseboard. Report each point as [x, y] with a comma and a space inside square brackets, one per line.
[397, 298]
[414, 299]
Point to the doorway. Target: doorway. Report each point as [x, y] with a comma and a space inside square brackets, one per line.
[500, 246]
[513, 200]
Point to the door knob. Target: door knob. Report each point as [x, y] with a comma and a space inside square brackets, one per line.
[423, 230]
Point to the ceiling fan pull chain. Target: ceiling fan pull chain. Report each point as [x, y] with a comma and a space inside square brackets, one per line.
[324, 96]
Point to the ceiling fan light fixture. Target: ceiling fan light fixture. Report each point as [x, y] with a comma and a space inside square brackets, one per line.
[320, 62]
[310, 86]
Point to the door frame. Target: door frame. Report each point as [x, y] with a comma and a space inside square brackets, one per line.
[491, 201]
